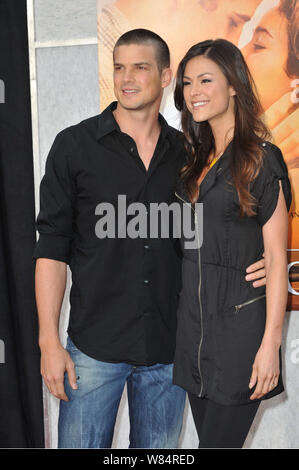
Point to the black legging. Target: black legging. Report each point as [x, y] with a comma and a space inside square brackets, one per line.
[221, 426]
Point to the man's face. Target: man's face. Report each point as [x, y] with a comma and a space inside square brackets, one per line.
[138, 84]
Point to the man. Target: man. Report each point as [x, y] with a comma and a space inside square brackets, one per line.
[124, 290]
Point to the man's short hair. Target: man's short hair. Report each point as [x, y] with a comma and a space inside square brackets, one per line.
[147, 37]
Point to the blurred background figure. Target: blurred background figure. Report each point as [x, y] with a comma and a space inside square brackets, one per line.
[272, 56]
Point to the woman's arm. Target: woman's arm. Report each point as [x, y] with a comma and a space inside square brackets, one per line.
[265, 370]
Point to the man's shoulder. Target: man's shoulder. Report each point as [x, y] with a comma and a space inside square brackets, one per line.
[177, 137]
[175, 131]
[86, 126]
[90, 124]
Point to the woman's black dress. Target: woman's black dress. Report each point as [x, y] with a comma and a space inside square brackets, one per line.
[221, 316]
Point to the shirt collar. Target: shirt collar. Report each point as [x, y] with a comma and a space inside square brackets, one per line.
[108, 124]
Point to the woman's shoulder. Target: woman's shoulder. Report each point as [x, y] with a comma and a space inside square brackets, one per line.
[273, 161]
[265, 187]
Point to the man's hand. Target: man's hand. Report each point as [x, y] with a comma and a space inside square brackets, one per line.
[55, 361]
[257, 271]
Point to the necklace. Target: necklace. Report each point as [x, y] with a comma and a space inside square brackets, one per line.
[215, 159]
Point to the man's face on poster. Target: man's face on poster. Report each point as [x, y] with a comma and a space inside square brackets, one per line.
[228, 17]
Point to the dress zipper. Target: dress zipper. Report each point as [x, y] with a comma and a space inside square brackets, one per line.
[238, 307]
[199, 297]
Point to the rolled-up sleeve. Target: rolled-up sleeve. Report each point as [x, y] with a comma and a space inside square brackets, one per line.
[57, 200]
[267, 183]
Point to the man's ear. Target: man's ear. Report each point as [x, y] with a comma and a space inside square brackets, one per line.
[166, 77]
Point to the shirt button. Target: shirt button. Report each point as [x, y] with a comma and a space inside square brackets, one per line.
[146, 247]
[146, 314]
[264, 144]
[145, 281]
[132, 149]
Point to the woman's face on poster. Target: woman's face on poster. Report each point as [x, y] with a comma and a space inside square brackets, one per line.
[266, 55]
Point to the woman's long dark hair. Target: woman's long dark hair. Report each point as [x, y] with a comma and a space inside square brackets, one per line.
[249, 132]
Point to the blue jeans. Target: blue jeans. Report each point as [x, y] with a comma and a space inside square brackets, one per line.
[156, 405]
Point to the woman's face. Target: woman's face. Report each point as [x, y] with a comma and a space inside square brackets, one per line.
[266, 56]
[207, 93]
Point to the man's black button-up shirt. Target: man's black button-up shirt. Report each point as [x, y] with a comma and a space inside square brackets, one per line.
[124, 290]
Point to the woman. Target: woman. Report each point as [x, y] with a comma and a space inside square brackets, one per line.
[228, 339]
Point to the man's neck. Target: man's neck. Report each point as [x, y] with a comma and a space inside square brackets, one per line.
[141, 125]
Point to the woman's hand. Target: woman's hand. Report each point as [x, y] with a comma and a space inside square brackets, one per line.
[265, 370]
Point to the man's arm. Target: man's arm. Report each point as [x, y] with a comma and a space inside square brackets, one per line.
[50, 283]
[256, 272]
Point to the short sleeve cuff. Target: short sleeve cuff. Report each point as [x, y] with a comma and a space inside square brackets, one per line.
[53, 247]
[270, 198]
